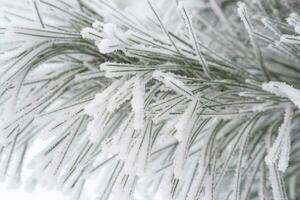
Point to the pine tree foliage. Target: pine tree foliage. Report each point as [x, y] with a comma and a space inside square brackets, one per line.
[192, 100]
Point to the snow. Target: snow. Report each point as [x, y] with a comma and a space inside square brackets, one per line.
[283, 90]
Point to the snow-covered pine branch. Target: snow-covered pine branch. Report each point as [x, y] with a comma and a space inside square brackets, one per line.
[171, 104]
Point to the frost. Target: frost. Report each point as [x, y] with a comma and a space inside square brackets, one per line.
[119, 69]
[137, 103]
[119, 193]
[117, 140]
[198, 183]
[120, 96]
[96, 109]
[281, 148]
[294, 20]
[91, 34]
[291, 39]
[126, 139]
[169, 80]
[278, 187]
[208, 182]
[183, 130]
[297, 28]
[242, 11]
[188, 23]
[108, 46]
[184, 119]
[114, 39]
[100, 98]
[283, 90]
[268, 24]
[164, 191]
[284, 156]
[98, 26]
[165, 114]
[107, 36]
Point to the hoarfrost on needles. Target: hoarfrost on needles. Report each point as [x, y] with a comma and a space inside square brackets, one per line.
[280, 150]
[137, 103]
[282, 89]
